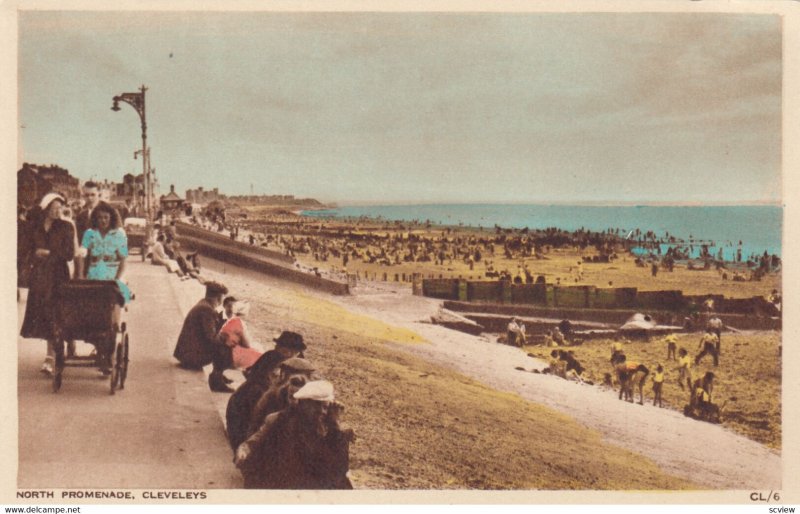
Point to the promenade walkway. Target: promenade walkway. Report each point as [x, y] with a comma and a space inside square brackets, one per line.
[162, 431]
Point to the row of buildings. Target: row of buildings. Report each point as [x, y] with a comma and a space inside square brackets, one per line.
[34, 181]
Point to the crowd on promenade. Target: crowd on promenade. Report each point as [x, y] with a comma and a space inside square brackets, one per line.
[283, 421]
[60, 239]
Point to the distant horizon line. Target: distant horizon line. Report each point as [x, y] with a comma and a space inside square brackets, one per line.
[584, 203]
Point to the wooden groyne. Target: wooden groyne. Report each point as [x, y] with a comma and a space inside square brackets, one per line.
[615, 317]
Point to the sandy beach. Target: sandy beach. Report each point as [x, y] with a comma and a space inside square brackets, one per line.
[385, 317]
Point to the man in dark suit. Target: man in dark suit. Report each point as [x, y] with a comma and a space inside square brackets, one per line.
[91, 193]
[199, 343]
[83, 221]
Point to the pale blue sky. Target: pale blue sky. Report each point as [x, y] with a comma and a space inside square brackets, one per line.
[414, 107]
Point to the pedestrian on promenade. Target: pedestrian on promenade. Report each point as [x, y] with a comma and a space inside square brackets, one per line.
[24, 241]
[198, 343]
[105, 248]
[83, 222]
[300, 447]
[52, 247]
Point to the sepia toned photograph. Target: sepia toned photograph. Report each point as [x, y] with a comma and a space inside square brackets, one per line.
[399, 251]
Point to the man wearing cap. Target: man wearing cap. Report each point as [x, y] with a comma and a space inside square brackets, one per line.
[294, 374]
[300, 447]
[287, 345]
[259, 378]
[199, 344]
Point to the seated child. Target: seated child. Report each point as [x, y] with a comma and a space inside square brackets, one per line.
[234, 333]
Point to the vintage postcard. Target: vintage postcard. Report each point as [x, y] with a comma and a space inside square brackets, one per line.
[452, 252]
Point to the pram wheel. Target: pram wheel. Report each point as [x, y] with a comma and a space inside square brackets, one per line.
[58, 364]
[119, 364]
[123, 371]
[57, 381]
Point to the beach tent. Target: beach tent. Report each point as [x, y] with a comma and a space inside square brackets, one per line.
[639, 321]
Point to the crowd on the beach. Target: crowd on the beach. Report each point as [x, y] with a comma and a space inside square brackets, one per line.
[330, 247]
[627, 374]
[283, 422]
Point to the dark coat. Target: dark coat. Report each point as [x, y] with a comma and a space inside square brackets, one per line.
[237, 413]
[24, 258]
[276, 398]
[83, 222]
[243, 401]
[285, 454]
[197, 343]
[46, 276]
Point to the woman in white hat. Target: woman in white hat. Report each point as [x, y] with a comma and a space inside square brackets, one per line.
[52, 247]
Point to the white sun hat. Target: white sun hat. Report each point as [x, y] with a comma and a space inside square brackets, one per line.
[50, 198]
[317, 390]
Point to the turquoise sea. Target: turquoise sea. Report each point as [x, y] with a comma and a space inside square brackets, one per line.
[758, 227]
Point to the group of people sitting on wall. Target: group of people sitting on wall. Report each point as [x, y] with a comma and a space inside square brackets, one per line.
[165, 250]
[54, 246]
[283, 420]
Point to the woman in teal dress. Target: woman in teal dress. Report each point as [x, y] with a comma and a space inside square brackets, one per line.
[107, 247]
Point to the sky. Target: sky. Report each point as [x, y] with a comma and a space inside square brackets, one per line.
[413, 107]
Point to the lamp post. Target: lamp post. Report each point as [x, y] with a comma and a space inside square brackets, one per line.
[136, 155]
[136, 100]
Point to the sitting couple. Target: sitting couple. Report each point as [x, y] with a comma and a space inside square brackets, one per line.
[206, 338]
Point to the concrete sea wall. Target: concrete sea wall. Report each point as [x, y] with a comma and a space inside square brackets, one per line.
[255, 258]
